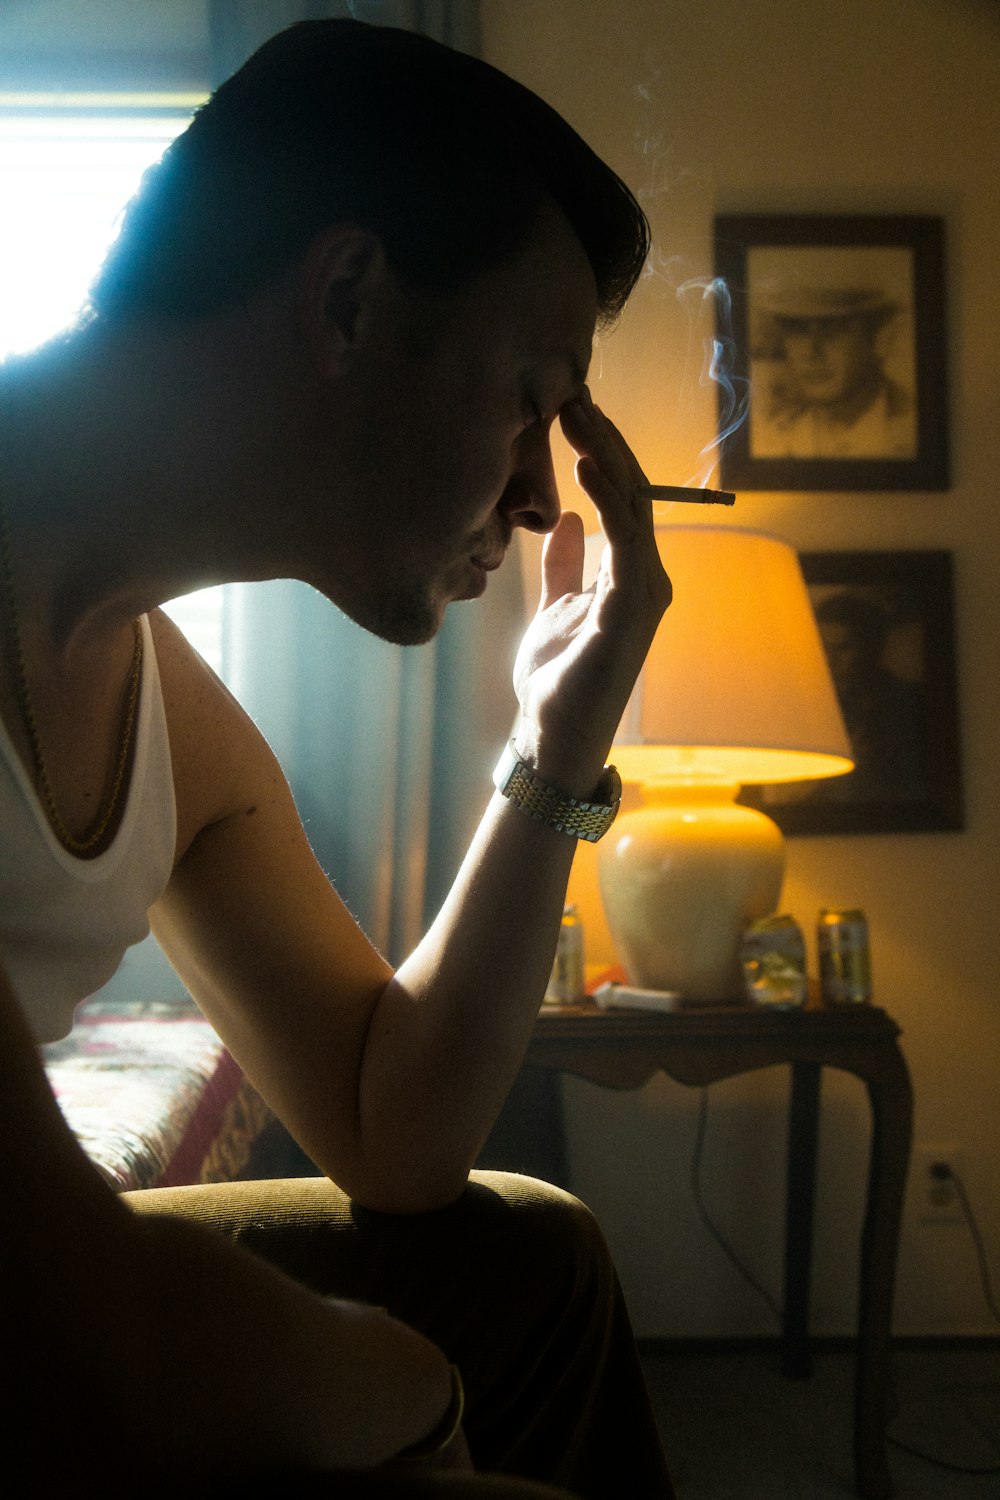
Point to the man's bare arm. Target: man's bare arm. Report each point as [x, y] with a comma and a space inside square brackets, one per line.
[488, 955]
[392, 1082]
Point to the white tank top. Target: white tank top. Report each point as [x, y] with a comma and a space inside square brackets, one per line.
[66, 922]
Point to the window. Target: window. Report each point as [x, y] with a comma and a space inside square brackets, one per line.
[68, 165]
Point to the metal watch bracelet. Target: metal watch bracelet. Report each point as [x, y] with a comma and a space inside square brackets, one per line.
[580, 819]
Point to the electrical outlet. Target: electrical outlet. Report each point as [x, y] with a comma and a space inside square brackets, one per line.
[934, 1193]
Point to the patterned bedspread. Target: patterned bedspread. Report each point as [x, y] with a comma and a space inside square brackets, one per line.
[154, 1097]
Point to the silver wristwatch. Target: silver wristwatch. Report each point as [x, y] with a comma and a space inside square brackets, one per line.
[546, 804]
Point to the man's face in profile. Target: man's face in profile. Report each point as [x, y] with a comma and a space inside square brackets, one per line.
[453, 397]
[828, 358]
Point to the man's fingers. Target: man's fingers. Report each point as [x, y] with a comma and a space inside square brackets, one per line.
[607, 469]
[562, 559]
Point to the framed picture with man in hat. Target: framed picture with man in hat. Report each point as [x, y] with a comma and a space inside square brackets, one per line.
[837, 346]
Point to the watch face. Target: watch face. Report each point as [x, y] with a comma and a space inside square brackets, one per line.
[506, 766]
[613, 784]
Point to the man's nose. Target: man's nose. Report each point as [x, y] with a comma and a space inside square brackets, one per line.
[531, 497]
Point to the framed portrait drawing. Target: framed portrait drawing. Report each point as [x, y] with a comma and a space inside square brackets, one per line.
[833, 336]
[886, 620]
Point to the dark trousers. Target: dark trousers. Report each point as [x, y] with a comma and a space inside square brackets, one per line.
[514, 1282]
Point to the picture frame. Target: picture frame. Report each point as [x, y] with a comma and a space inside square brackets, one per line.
[886, 619]
[833, 347]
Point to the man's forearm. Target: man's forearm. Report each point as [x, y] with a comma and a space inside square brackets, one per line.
[448, 1034]
[451, 1029]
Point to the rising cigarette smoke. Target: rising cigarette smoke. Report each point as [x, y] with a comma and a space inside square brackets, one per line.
[664, 178]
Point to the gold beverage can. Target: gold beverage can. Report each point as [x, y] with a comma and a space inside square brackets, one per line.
[567, 981]
[845, 971]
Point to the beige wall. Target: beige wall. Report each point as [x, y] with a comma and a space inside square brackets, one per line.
[875, 106]
[786, 105]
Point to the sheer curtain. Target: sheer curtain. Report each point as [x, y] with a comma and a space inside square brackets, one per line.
[388, 749]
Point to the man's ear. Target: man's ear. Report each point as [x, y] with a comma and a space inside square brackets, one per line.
[344, 277]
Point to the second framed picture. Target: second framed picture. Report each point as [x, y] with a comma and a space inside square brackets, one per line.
[886, 623]
[838, 339]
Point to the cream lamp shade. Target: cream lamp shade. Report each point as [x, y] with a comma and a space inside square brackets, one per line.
[735, 690]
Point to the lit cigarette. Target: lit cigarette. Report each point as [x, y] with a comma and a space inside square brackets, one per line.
[681, 492]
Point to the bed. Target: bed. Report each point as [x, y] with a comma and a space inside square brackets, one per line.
[155, 1098]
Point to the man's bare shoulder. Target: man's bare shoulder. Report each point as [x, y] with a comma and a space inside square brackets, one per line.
[217, 752]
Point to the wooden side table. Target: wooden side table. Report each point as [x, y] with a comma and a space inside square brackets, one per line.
[624, 1049]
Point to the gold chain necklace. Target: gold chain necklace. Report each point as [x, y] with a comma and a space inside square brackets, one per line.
[94, 837]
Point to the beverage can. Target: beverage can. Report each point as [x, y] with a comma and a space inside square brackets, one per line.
[566, 984]
[844, 957]
[773, 959]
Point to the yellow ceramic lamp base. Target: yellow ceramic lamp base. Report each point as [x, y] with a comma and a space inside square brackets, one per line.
[681, 879]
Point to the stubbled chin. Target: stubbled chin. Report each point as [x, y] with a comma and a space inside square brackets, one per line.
[476, 589]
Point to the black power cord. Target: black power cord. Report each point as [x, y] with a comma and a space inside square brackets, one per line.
[941, 1463]
[977, 1239]
[942, 1170]
[706, 1218]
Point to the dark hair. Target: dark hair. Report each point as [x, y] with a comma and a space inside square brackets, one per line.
[443, 156]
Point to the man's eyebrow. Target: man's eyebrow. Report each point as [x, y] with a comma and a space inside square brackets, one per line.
[575, 368]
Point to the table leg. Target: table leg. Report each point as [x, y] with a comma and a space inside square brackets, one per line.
[800, 1197]
[891, 1096]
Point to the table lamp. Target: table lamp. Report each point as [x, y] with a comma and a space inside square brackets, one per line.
[735, 690]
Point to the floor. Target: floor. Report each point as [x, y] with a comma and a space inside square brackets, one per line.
[735, 1429]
